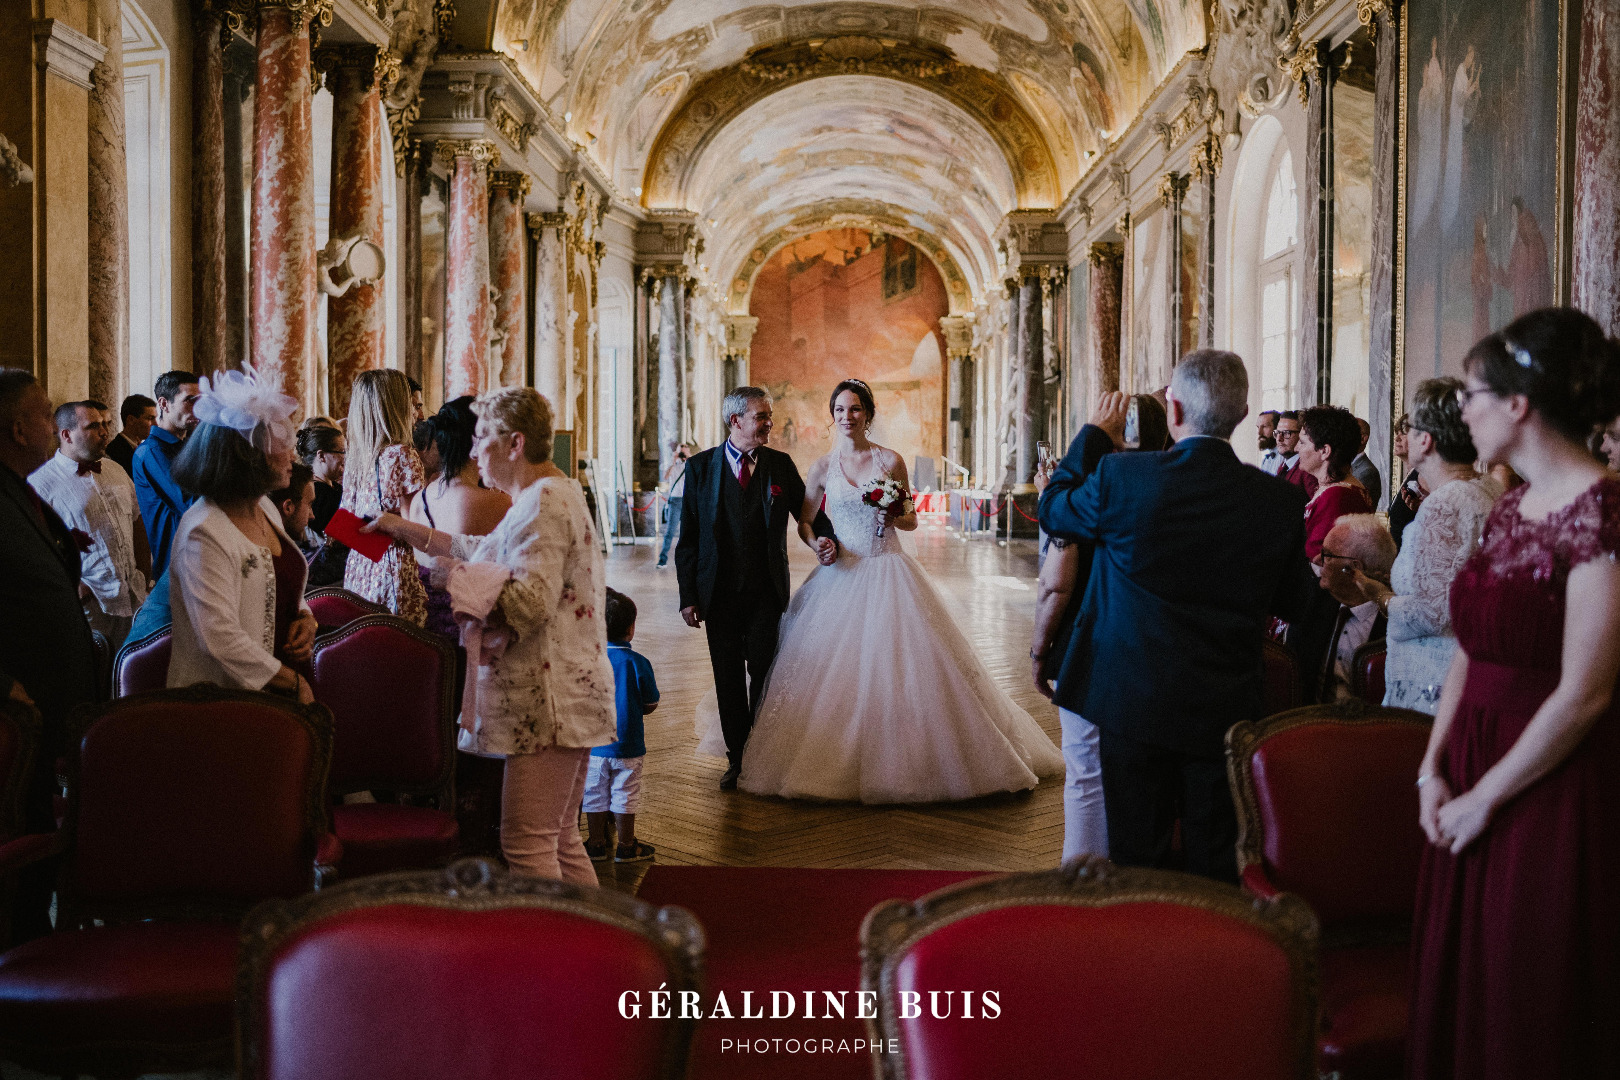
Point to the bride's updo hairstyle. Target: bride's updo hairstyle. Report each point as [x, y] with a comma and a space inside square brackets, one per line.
[1559, 359]
[861, 391]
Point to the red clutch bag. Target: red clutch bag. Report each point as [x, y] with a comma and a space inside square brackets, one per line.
[345, 528]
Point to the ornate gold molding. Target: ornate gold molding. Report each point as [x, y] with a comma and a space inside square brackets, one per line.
[1368, 11]
[516, 182]
[1106, 253]
[1173, 187]
[400, 119]
[547, 219]
[444, 17]
[314, 13]
[480, 153]
[378, 66]
[1304, 65]
[1204, 160]
[1123, 225]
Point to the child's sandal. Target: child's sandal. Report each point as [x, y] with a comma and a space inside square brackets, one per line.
[637, 852]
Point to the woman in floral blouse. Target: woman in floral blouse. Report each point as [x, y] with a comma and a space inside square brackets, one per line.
[548, 698]
[383, 470]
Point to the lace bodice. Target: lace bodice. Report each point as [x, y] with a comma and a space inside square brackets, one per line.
[1440, 539]
[855, 523]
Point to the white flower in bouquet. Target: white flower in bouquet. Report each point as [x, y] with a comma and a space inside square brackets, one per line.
[883, 493]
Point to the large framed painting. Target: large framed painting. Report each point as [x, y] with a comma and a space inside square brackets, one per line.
[1484, 235]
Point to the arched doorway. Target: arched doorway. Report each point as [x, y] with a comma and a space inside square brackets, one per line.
[851, 303]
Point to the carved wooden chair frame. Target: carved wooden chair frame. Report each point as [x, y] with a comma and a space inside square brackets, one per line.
[369, 606]
[132, 645]
[472, 884]
[893, 927]
[1358, 668]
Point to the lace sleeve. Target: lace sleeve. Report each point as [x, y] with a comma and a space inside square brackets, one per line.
[1594, 531]
[1442, 536]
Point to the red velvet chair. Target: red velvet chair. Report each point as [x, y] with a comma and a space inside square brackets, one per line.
[465, 972]
[143, 665]
[1327, 811]
[334, 606]
[391, 687]
[1367, 672]
[1281, 675]
[185, 808]
[20, 737]
[1098, 971]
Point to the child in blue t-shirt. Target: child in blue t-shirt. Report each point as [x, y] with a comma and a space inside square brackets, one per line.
[613, 780]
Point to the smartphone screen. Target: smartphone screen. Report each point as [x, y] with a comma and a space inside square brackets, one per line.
[1133, 426]
[1043, 452]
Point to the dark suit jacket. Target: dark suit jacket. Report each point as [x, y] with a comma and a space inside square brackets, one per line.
[697, 553]
[44, 639]
[120, 450]
[1194, 551]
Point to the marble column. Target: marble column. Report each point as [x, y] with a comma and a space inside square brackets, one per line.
[1316, 236]
[283, 211]
[467, 309]
[1597, 166]
[409, 275]
[1031, 385]
[1107, 285]
[356, 338]
[1173, 192]
[958, 332]
[667, 290]
[109, 223]
[1387, 390]
[507, 190]
[209, 318]
[239, 75]
[550, 304]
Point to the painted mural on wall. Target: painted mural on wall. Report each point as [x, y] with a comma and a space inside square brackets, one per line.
[1482, 198]
[840, 304]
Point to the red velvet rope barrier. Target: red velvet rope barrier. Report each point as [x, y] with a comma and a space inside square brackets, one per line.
[1023, 515]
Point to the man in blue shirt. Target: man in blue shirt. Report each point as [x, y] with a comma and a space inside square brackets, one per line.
[161, 500]
[613, 780]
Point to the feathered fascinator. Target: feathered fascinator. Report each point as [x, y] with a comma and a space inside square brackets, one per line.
[242, 402]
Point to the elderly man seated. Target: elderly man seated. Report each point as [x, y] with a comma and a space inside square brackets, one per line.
[1356, 542]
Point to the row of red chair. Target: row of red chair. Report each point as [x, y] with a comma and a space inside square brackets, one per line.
[1283, 690]
[393, 689]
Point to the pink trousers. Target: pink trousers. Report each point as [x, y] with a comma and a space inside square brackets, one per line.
[540, 815]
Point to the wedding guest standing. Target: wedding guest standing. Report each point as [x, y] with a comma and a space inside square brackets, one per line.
[549, 697]
[1440, 539]
[1405, 506]
[95, 496]
[452, 501]
[237, 578]
[46, 653]
[162, 500]
[137, 415]
[1362, 467]
[383, 470]
[1517, 931]
[324, 449]
[1327, 442]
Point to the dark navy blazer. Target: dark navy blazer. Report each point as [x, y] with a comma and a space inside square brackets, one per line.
[1195, 550]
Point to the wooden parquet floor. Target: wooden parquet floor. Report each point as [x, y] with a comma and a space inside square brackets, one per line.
[690, 821]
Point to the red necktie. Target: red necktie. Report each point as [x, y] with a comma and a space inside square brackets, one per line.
[85, 468]
[745, 470]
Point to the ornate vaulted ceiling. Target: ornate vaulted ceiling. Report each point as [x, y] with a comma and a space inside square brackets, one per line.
[931, 118]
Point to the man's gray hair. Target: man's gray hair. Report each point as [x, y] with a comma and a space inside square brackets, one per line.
[736, 403]
[1363, 537]
[1213, 388]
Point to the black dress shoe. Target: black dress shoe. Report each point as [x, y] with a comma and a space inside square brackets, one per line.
[728, 779]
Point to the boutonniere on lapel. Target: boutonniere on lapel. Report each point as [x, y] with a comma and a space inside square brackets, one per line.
[81, 540]
[776, 490]
[249, 564]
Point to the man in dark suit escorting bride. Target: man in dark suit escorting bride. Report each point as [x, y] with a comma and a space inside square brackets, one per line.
[731, 559]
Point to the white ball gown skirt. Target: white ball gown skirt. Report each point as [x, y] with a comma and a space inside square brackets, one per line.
[877, 696]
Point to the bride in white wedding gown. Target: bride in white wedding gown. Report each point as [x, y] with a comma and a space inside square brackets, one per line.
[875, 694]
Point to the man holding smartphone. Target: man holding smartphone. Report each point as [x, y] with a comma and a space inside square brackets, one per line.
[675, 477]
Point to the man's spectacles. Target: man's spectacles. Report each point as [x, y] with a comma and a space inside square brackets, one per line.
[1465, 394]
[1355, 564]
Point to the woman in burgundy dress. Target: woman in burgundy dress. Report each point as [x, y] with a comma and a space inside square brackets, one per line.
[1328, 442]
[1516, 947]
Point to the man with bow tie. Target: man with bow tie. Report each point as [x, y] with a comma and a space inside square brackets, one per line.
[95, 498]
[731, 559]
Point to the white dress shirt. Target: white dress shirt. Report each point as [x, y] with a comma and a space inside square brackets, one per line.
[735, 456]
[1357, 629]
[101, 505]
[1276, 463]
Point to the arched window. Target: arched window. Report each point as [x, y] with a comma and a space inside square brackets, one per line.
[146, 161]
[1279, 290]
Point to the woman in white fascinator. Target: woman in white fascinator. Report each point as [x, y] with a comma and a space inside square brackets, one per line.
[236, 577]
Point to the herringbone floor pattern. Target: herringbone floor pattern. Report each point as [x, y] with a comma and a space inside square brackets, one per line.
[692, 822]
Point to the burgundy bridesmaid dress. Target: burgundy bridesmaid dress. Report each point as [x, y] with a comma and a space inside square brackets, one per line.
[1516, 952]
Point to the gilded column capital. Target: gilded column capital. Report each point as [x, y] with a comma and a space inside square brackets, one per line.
[1204, 160]
[546, 219]
[1123, 225]
[1302, 66]
[312, 13]
[1172, 188]
[517, 183]
[479, 153]
[222, 17]
[1106, 254]
[1368, 11]
[444, 17]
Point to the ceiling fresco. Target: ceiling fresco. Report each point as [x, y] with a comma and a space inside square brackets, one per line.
[936, 116]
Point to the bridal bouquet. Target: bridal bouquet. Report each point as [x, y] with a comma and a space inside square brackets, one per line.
[883, 493]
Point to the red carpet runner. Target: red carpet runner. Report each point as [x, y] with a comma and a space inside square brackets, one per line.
[778, 929]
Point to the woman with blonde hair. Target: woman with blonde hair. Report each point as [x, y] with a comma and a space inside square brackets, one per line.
[547, 698]
[381, 472]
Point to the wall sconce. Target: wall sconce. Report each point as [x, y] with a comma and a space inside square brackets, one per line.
[520, 44]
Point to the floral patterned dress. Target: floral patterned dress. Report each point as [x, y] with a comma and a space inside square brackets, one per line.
[393, 581]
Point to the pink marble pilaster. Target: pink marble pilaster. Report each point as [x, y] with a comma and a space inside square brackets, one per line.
[109, 227]
[282, 291]
[1107, 287]
[506, 195]
[355, 332]
[1597, 166]
[467, 314]
[208, 237]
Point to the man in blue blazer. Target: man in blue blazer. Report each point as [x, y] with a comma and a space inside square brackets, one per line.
[1194, 552]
